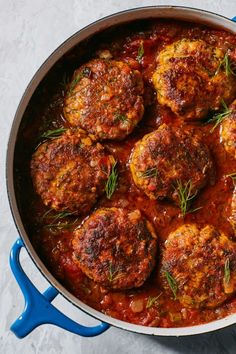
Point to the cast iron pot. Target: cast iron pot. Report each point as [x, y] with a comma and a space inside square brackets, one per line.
[38, 308]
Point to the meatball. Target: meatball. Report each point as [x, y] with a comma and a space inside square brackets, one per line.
[168, 157]
[69, 173]
[228, 131]
[191, 79]
[199, 266]
[116, 248]
[105, 98]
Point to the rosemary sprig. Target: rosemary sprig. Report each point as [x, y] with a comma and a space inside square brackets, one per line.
[227, 271]
[228, 66]
[185, 197]
[56, 216]
[62, 215]
[113, 273]
[219, 117]
[172, 283]
[60, 225]
[84, 73]
[52, 134]
[140, 52]
[45, 215]
[149, 173]
[111, 183]
[56, 219]
[152, 300]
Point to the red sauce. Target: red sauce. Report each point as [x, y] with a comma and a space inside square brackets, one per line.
[54, 246]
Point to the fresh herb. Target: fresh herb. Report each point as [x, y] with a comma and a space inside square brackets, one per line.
[149, 173]
[172, 283]
[121, 118]
[52, 134]
[63, 214]
[219, 117]
[61, 225]
[185, 197]
[232, 176]
[152, 300]
[228, 66]
[75, 82]
[84, 73]
[227, 271]
[45, 215]
[56, 219]
[113, 273]
[140, 52]
[59, 215]
[111, 181]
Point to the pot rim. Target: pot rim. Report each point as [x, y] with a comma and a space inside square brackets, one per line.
[174, 12]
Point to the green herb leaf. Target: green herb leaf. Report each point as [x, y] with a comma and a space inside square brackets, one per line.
[140, 53]
[152, 300]
[61, 225]
[229, 67]
[45, 215]
[172, 283]
[121, 117]
[84, 73]
[52, 134]
[56, 216]
[75, 82]
[227, 271]
[149, 173]
[185, 197]
[219, 117]
[62, 215]
[113, 273]
[57, 222]
[193, 210]
[111, 181]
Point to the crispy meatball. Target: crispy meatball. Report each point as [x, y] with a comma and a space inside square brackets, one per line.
[191, 79]
[105, 98]
[199, 265]
[69, 173]
[228, 131]
[167, 157]
[116, 248]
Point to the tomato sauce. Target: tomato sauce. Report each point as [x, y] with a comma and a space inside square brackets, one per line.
[148, 305]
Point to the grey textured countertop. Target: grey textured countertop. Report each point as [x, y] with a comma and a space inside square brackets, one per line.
[29, 31]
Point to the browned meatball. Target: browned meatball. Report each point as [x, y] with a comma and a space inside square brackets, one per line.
[70, 172]
[105, 98]
[228, 131]
[199, 266]
[116, 248]
[168, 157]
[191, 78]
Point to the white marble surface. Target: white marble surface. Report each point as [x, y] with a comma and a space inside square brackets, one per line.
[29, 31]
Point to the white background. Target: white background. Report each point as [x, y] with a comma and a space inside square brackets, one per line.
[29, 31]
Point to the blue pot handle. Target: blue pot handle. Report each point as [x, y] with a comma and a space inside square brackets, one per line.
[234, 19]
[38, 308]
